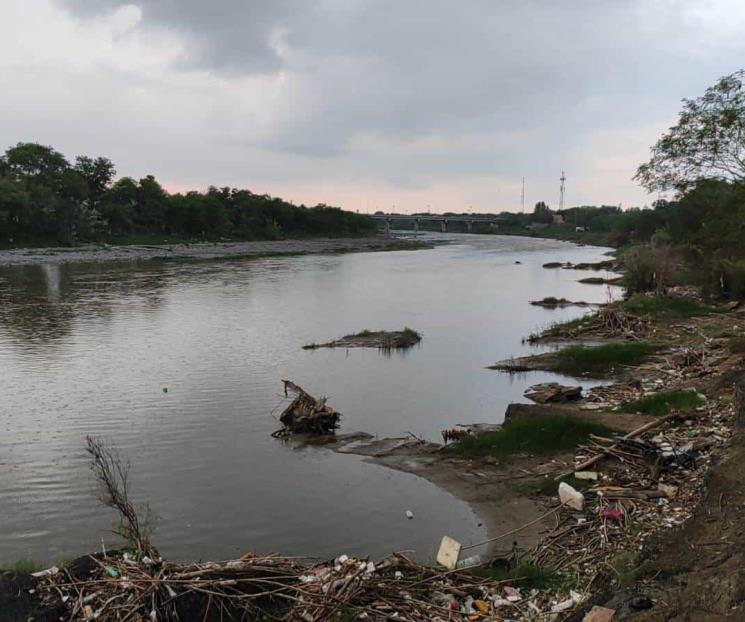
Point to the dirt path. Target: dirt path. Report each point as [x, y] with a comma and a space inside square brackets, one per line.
[203, 250]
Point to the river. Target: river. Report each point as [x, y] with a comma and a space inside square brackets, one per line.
[179, 365]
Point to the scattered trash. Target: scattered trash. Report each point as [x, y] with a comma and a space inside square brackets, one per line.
[571, 497]
[46, 573]
[468, 562]
[586, 475]
[613, 514]
[112, 572]
[563, 606]
[599, 614]
[453, 434]
[448, 553]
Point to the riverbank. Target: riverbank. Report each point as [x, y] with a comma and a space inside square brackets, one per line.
[203, 250]
[657, 535]
[624, 507]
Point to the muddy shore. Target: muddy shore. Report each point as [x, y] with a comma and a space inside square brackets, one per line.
[203, 250]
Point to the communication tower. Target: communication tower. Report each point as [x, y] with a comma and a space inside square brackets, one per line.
[522, 196]
[562, 188]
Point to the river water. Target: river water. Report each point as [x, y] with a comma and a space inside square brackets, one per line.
[179, 365]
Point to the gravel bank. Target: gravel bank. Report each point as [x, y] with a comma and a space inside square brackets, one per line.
[204, 250]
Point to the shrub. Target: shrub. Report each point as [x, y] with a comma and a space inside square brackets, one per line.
[647, 268]
[639, 304]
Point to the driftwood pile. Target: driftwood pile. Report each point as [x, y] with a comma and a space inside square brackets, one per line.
[617, 323]
[306, 414]
[118, 587]
[649, 478]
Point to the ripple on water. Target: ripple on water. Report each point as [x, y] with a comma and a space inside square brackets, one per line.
[88, 349]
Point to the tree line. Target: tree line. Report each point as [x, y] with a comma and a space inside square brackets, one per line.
[46, 199]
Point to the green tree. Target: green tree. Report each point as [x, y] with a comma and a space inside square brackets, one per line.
[541, 213]
[152, 202]
[35, 161]
[118, 206]
[98, 174]
[708, 142]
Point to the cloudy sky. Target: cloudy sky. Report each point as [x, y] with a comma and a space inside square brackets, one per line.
[365, 103]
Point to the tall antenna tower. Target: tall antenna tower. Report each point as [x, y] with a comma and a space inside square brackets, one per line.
[562, 189]
[522, 196]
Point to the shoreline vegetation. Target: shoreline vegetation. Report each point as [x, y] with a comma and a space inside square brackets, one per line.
[47, 201]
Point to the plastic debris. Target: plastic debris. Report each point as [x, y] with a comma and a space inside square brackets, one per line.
[586, 475]
[571, 497]
[448, 553]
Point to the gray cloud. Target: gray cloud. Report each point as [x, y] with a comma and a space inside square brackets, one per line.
[410, 94]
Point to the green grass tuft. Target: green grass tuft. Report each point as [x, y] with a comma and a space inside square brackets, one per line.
[525, 575]
[26, 565]
[537, 434]
[659, 404]
[603, 358]
[624, 565]
[639, 304]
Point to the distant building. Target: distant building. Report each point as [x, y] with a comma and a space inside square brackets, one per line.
[558, 219]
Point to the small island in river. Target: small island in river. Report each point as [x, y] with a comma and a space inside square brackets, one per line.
[382, 339]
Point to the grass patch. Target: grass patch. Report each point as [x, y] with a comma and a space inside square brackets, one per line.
[547, 486]
[658, 404]
[526, 575]
[406, 338]
[537, 434]
[623, 565]
[639, 304]
[603, 358]
[26, 565]
[555, 329]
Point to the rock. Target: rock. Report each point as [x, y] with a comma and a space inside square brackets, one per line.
[553, 392]
[599, 614]
[571, 497]
[641, 602]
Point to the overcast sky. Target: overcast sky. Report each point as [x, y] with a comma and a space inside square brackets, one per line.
[365, 104]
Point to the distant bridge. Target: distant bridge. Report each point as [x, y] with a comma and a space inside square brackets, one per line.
[441, 218]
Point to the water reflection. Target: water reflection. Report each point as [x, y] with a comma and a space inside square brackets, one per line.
[88, 349]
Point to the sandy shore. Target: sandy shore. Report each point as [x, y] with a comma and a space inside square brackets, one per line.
[204, 250]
